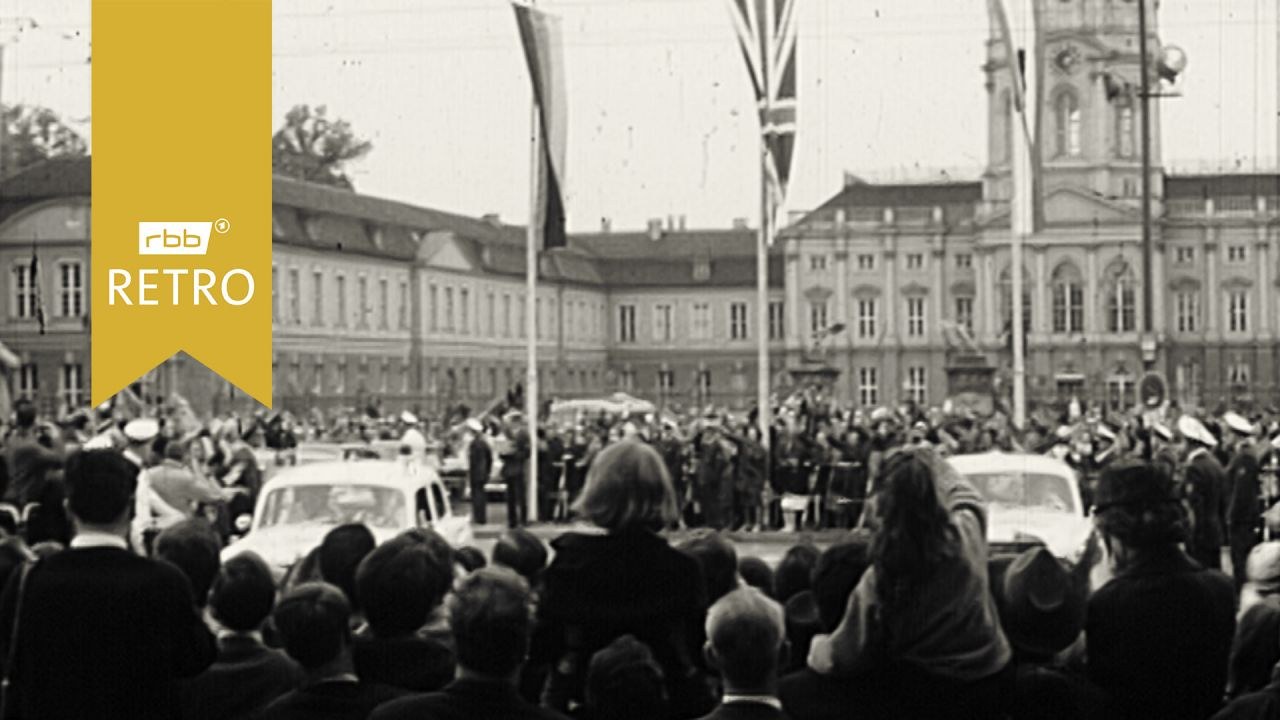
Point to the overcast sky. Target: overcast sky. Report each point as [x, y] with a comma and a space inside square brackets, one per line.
[662, 119]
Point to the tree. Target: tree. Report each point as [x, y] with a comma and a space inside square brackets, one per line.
[313, 148]
[33, 134]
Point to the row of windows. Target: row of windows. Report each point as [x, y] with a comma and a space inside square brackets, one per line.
[1067, 317]
[866, 262]
[71, 390]
[505, 316]
[1186, 254]
[26, 301]
[321, 289]
[700, 322]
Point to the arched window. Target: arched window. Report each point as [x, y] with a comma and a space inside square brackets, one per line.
[1066, 110]
[1119, 288]
[1068, 299]
[1124, 131]
[1006, 300]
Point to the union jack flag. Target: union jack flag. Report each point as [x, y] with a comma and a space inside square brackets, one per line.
[767, 33]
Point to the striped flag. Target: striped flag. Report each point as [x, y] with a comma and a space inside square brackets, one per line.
[544, 53]
[767, 34]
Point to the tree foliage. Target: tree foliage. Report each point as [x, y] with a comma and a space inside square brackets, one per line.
[34, 134]
[312, 147]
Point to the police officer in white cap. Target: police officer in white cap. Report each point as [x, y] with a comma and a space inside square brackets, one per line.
[1205, 486]
[1244, 492]
[151, 514]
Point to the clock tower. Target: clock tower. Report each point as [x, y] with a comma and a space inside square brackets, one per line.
[1090, 125]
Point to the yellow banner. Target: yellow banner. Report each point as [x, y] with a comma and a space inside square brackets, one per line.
[181, 189]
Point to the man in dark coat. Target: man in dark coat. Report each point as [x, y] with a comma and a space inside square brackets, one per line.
[29, 454]
[1244, 499]
[1159, 632]
[101, 632]
[715, 480]
[479, 467]
[1205, 483]
[490, 614]
[514, 462]
[247, 675]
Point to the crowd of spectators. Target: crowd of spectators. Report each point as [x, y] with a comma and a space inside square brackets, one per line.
[909, 616]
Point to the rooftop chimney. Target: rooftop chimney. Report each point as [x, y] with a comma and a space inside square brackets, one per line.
[680, 223]
[492, 219]
[739, 223]
[606, 225]
[655, 229]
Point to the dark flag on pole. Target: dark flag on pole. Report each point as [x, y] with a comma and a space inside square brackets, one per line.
[33, 278]
[543, 51]
[767, 34]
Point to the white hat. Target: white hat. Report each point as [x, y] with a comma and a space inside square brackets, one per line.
[474, 425]
[1105, 432]
[408, 418]
[142, 430]
[1194, 430]
[1275, 442]
[880, 414]
[1237, 423]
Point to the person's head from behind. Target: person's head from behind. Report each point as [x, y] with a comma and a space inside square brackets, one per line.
[1256, 648]
[1136, 510]
[628, 487]
[1042, 605]
[836, 574]
[914, 532]
[100, 486]
[192, 546]
[243, 593]
[746, 640]
[470, 558]
[24, 413]
[491, 615]
[313, 621]
[795, 571]
[522, 551]
[340, 554]
[175, 451]
[756, 573]
[625, 682]
[403, 581]
[717, 558]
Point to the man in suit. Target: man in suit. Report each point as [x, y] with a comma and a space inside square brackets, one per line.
[491, 614]
[479, 467]
[102, 633]
[747, 643]
[247, 674]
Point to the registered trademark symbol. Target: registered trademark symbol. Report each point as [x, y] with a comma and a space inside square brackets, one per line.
[222, 225]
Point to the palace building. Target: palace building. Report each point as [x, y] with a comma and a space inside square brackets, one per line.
[417, 308]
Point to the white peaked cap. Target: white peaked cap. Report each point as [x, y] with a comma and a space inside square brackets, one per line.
[1192, 429]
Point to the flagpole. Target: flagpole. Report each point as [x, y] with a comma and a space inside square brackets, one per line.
[763, 241]
[1022, 207]
[531, 311]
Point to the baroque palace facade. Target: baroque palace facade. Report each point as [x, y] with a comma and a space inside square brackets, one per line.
[375, 300]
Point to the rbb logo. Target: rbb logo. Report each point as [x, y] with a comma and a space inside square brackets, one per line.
[177, 238]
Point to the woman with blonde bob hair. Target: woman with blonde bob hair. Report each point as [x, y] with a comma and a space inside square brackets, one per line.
[627, 487]
[620, 577]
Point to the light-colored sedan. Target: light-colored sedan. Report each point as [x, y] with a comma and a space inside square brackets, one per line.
[1031, 499]
[298, 506]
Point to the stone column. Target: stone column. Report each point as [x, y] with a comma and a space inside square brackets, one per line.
[1212, 319]
[1039, 313]
[1264, 274]
[1092, 324]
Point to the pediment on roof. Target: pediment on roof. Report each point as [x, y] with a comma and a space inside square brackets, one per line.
[443, 250]
[1071, 206]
